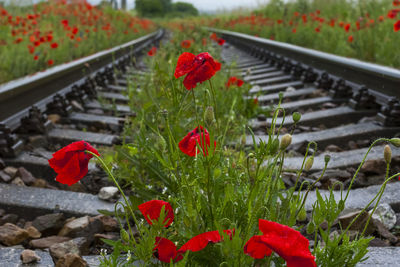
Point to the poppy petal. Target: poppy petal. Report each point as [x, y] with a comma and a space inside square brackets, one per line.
[198, 75]
[164, 250]
[151, 211]
[184, 65]
[256, 249]
[199, 242]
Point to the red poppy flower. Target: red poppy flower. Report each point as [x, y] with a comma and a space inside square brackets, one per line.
[64, 22]
[255, 101]
[279, 21]
[36, 57]
[50, 62]
[188, 144]
[199, 242]
[186, 43]
[54, 45]
[234, 81]
[18, 40]
[294, 30]
[221, 41]
[304, 18]
[152, 51]
[198, 68]
[350, 39]
[396, 2]
[165, 250]
[347, 27]
[71, 162]
[75, 30]
[286, 242]
[151, 211]
[213, 36]
[396, 26]
[317, 29]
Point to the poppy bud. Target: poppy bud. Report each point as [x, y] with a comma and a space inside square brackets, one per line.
[327, 158]
[309, 163]
[387, 154]
[395, 142]
[296, 117]
[280, 96]
[285, 141]
[274, 146]
[302, 216]
[248, 71]
[124, 235]
[251, 155]
[209, 116]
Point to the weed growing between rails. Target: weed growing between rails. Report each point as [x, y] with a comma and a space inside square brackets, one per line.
[33, 38]
[197, 198]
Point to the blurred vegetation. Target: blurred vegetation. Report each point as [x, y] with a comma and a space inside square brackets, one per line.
[164, 8]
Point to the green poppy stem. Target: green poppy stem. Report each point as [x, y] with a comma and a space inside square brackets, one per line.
[105, 167]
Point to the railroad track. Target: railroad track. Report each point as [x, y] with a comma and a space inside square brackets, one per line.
[345, 105]
[86, 99]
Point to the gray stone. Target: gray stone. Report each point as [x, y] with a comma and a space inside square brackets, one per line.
[2, 164]
[377, 242]
[78, 246]
[18, 182]
[108, 193]
[9, 218]
[29, 256]
[74, 226]
[375, 166]
[41, 201]
[4, 177]
[76, 105]
[11, 171]
[71, 260]
[385, 214]
[54, 118]
[33, 232]
[26, 176]
[11, 234]
[49, 223]
[109, 224]
[382, 257]
[47, 242]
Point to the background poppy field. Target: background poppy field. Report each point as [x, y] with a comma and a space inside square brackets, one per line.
[33, 38]
[368, 30]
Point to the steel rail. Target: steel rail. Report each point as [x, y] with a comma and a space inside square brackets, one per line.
[383, 81]
[17, 96]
